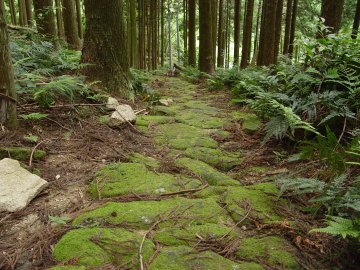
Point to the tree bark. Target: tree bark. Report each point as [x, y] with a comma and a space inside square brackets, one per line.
[70, 24]
[192, 33]
[292, 29]
[59, 20]
[178, 33]
[246, 44]
[289, 8]
[22, 12]
[267, 34]
[214, 28]
[237, 31]
[221, 51]
[44, 17]
[133, 34]
[256, 41]
[278, 22]
[29, 13]
[8, 115]
[79, 19]
[355, 28]
[162, 32]
[331, 12]
[169, 34]
[153, 18]
[185, 26]
[105, 46]
[206, 61]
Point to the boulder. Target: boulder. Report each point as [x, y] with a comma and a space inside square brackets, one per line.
[122, 114]
[112, 103]
[18, 186]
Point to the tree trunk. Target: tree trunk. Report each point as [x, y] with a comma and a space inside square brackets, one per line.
[192, 33]
[237, 31]
[133, 34]
[227, 35]
[29, 13]
[278, 22]
[44, 17]
[246, 44]
[355, 28]
[267, 34]
[185, 26]
[331, 11]
[79, 19]
[169, 33]
[59, 20]
[206, 62]
[162, 30]
[256, 41]
[12, 12]
[221, 51]
[289, 8]
[7, 85]
[214, 28]
[178, 32]
[22, 12]
[293, 27]
[105, 47]
[70, 24]
[153, 18]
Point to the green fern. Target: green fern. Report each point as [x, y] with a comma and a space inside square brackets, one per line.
[341, 226]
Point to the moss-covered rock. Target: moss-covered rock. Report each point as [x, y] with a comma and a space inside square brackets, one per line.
[260, 198]
[211, 175]
[181, 131]
[148, 161]
[201, 120]
[142, 214]
[182, 257]
[189, 236]
[251, 122]
[145, 120]
[162, 110]
[20, 153]
[128, 178]
[221, 134]
[98, 246]
[249, 170]
[276, 251]
[212, 191]
[182, 144]
[216, 157]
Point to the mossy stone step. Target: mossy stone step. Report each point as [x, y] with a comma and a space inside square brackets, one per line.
[183, 257]
[183, 144]
[251, 122]
[162, 110]
[147, 161]
[145, 120]
[222, 160]
[20, 153]
[211, 175]
[272, 249]
[99, 246]
[201, 120]
[142, 214]
[128, 178]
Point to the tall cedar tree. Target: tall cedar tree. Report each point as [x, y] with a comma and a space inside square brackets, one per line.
[162, 32]
[355, 28]
[132, 32]
[70, 24]
[192, 33]
[29, 14]
[78, 18]
[331, 11]
[257, 29]
[237, 31]
[206, 61]
[292, 28]
[7, 84]
[12, 11]
[22, 12]
[279, 11]
[289, 7]
[44, 17]
[214, 28]
[221, 47]
[267, 33]
[105, 46]
[59, 19]
[246, 44]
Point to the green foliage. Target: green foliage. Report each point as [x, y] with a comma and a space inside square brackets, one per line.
[193, 74]
[33, 116]
[143, 90]
[31, 138]
[341, 226]
[54, 221]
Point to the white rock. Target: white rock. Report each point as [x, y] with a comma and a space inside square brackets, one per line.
[166, 102]
[18, 186]
[123, 114]
[112, 103]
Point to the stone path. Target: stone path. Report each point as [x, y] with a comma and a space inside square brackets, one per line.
[207, 228]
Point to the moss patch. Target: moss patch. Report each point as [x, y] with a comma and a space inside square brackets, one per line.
[273, 249]
[251, 122]
[148, 161]
[182, 144]
[162, 110]
[260, 202]
[145, 120]
[128, 178]
[212, 191]
[222, 160]
[211, 175]
[201, 120]
[98, 246]
[221, 134]
[178, 131]
[20, 153]
[182, 257]
[142, 214]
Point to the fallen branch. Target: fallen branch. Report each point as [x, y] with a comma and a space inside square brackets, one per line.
[184, 191]
[19, 28]
[32, 153]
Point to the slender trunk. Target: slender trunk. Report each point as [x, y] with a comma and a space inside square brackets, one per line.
[12, 11]
[59, 20]
[153, 7]
[105, 46]
[214, 28]
[169, 33]
[7, 85]
[292, 29]
[206, 62]
[355, 28]
[278, 22]
[192, 33]
[289, 8]
[178, 32]
[228, 36]
[331, 12]
[246, 44]
[256, 41]
[237, 31]
[162, 32]
[45, 18]
[22, 12]
[220, 58]
[29, 13]
[133, 33]
[185, 26]
[70, 24]
[79, 19]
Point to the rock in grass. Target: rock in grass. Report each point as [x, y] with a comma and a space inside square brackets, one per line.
[99, 246]
[18, 186]
[20, 153]
[211, 175]
[162, 110]
[122, 115]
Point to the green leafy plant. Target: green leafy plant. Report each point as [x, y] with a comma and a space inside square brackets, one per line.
[55, 221]
[33, 116]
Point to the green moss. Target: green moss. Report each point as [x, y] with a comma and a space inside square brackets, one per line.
[144, 129]
[20, 153]
[251, 122]
[34, 170]
[104, 119]
[182, 257]
[212, 191]
[251, 170]
[211, 175]
[221, 134]
[200, 119]
[98, 246]
[142, 214]
[128, 178]
[162, 110]
[260, 202]
[145, 120]
[189, 236]
[222, 160]
[148, 161]
[179, 131]
[273, 249]
[183, 144]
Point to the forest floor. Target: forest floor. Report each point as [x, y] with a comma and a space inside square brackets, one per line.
[188, 187]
